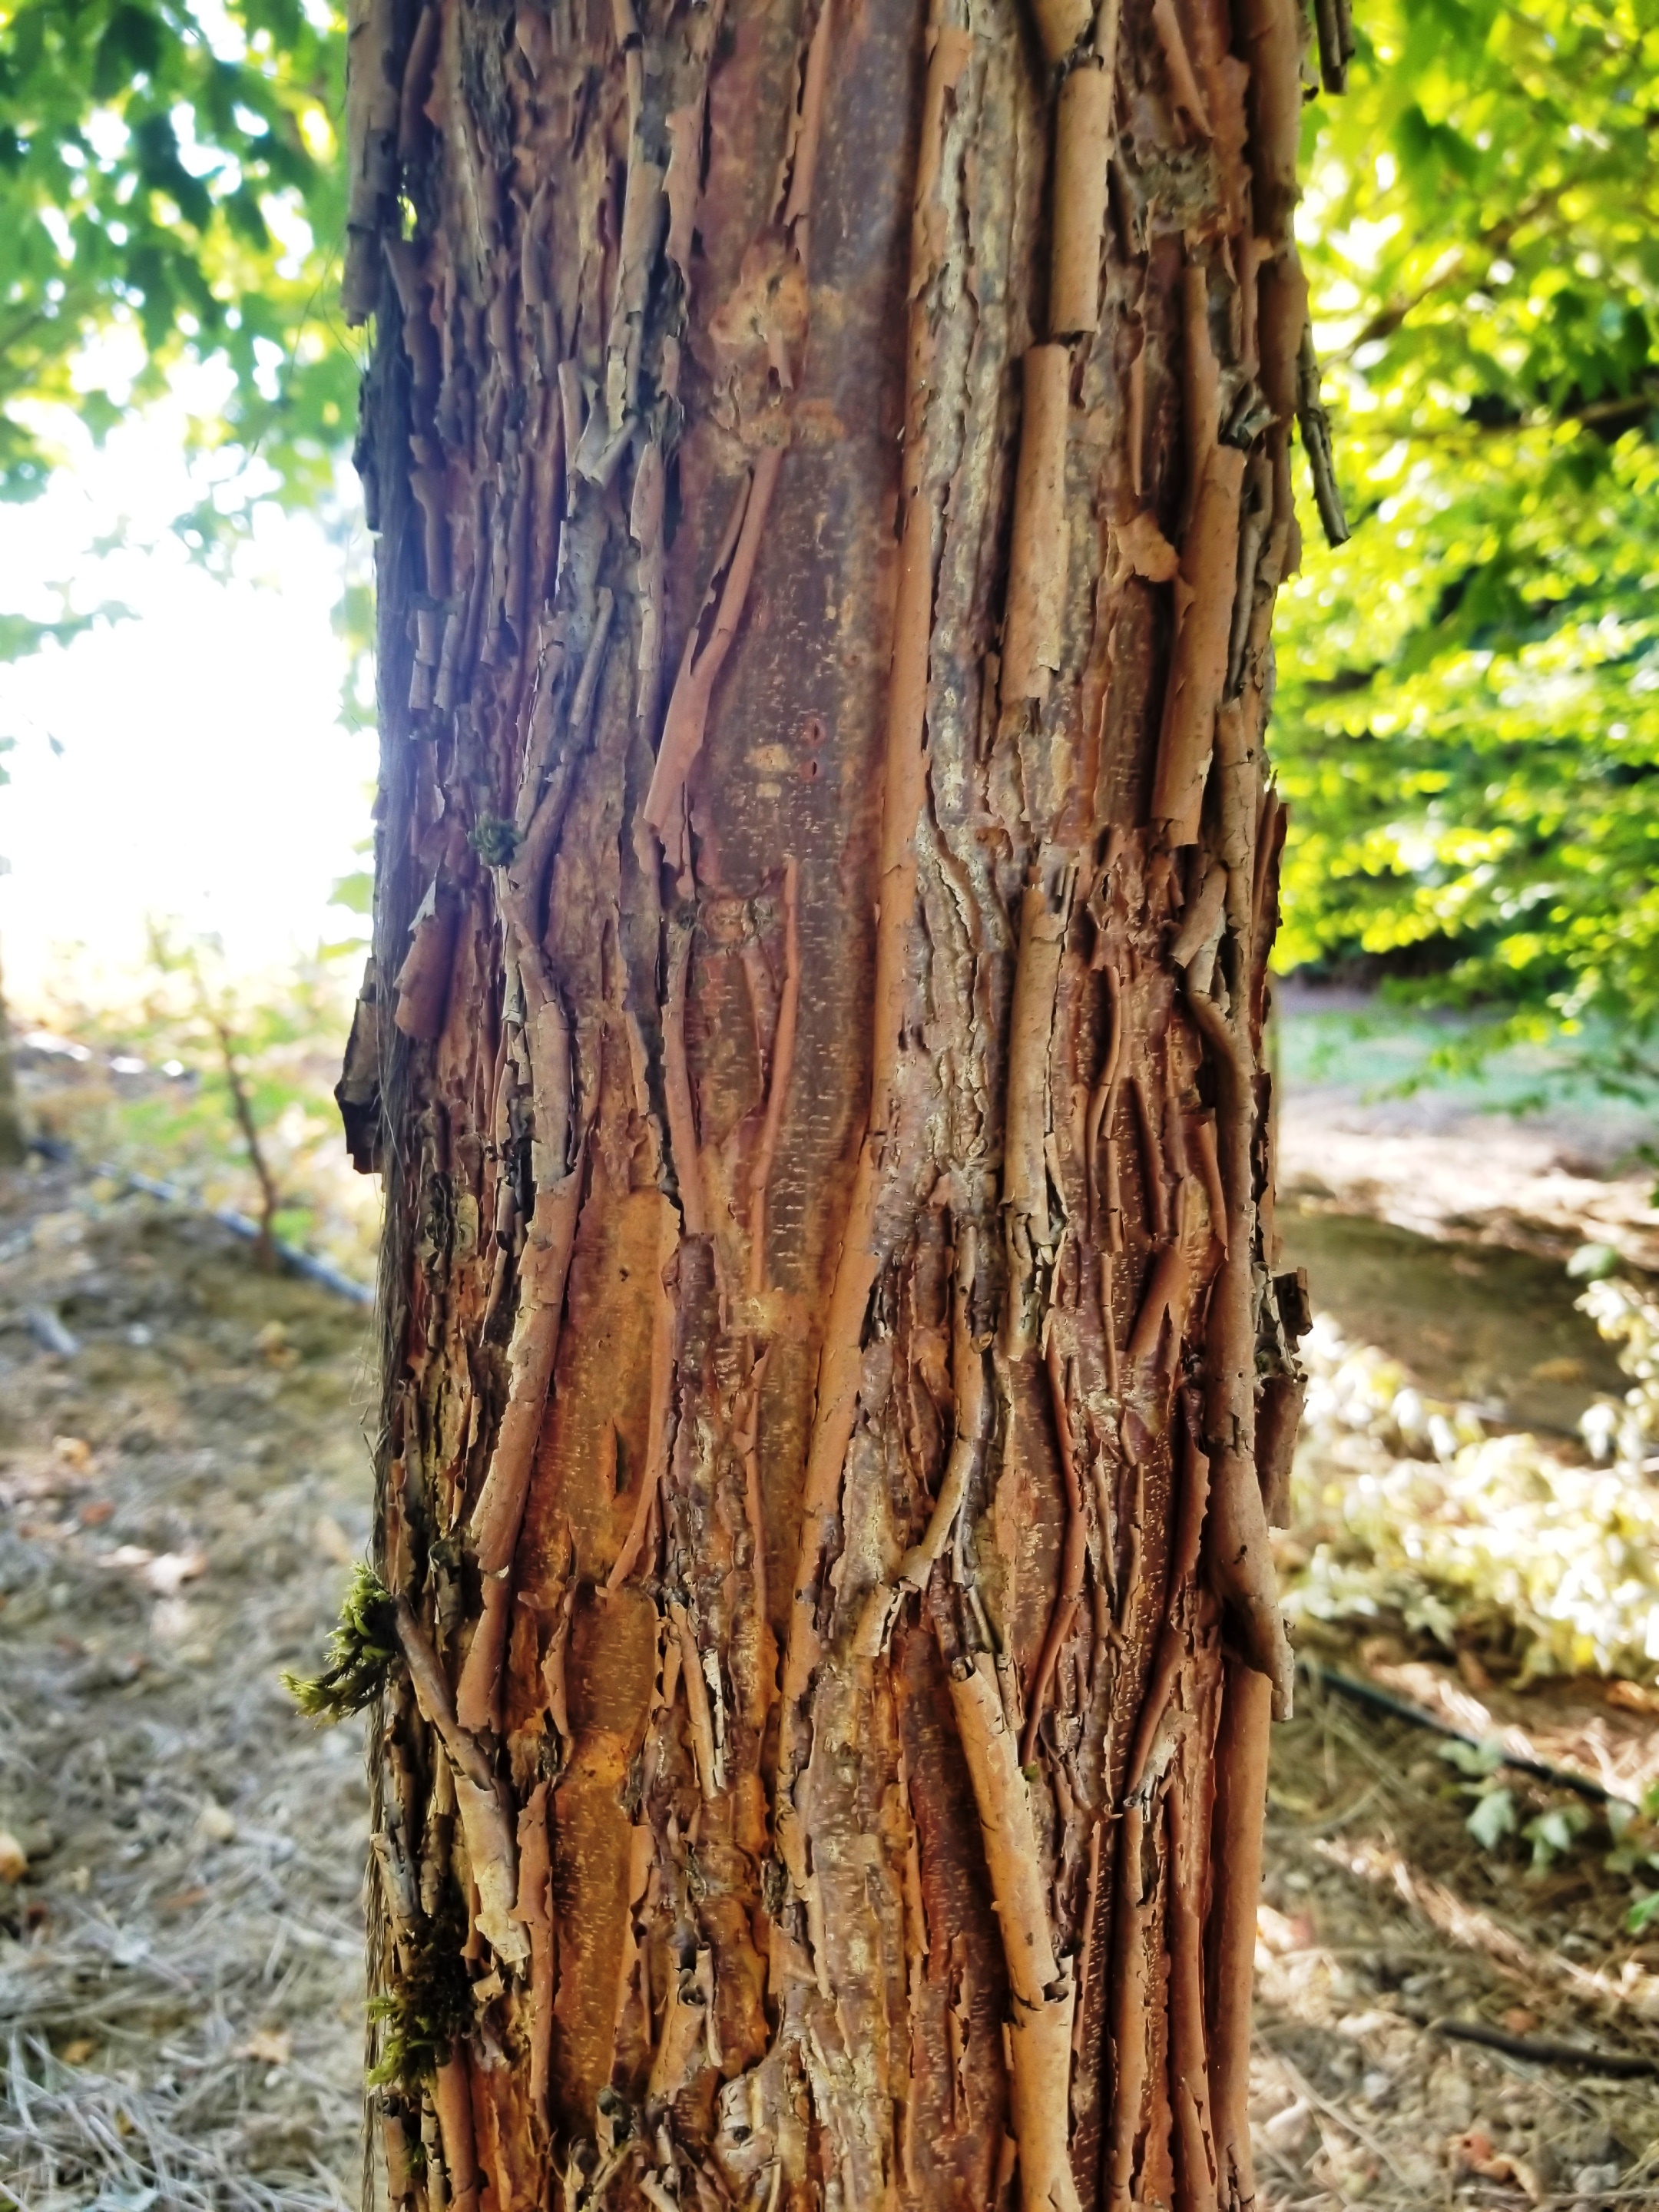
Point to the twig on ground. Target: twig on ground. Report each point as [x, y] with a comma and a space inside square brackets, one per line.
[1543, 2050]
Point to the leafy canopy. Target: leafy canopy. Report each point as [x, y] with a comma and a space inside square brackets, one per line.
[169, 171]
[1468, 720]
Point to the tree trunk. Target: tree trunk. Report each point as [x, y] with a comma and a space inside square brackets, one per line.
[830, 464]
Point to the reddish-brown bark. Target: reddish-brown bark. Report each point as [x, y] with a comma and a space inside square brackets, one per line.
[830, 464]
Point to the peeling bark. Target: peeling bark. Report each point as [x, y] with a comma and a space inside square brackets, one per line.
[831, 473]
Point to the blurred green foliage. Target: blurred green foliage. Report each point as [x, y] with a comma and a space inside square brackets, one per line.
[170, 175]
[1468, 724]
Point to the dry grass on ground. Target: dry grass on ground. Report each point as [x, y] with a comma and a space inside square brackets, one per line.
[180, 1987]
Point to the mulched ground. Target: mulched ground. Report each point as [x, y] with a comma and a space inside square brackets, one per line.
[180, 1991]
[181, 1986]
[1382, 1920]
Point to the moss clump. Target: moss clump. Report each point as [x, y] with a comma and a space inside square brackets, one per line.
[360, 1653]
[494, 840]
[430, 2007]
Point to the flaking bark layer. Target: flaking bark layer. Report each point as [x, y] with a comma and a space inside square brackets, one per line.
[830, 461]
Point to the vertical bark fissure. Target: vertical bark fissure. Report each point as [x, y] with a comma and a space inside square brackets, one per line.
[831, 467]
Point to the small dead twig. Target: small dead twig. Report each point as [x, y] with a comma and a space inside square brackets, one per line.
[1333, 20]
[270, 1199]
[1542, 2050]
[1315, 425]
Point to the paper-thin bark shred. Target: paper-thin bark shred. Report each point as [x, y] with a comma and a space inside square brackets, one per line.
[1128, 1981]
[1198, 674]
[423, 982]
[1195, 2139]
[1209, 1172]
[1083, 150]
[1238, 1550]
[531, 1357]
[534, 1908]
[834, 1414]
[1103, 1104]
[432, 497]
[1174, 1634]
[1060, 24]
[1177, 62]
[1271, 35]
[1334, 27]
[1011, 1854]
[683, 183]
[451, 2099]
[1040, 2049]
[477, 1694]
[1037, 557]
[680, 1105]
[1042, 1990]
[416, 82]
[808, 128]
[1167, 1297]
[433, 1696]
[1278, 1416]
[1151, 1159]
[420, 339]
[1031, 1021]
[753, 1510]
[1238, 775]
[645, 526]
[1203, 915]
[1073, 1555]
[1236, 1859]
[694, 687]
[478, 1796]
[972, 1404]
[1142, 546]
[698, 1710]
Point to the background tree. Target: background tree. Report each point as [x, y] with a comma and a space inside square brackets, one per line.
[1469, 731]
[831, 468]
[169, 172]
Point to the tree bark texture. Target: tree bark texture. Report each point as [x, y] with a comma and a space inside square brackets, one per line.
[830, 462]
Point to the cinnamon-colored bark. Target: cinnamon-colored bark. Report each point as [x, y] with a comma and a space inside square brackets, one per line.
[830, 464]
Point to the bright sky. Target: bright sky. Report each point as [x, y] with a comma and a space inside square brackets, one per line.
[205, 775]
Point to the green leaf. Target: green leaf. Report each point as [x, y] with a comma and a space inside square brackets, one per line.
[1493, 1819]
[1553, 1832]
[354, 893]
[1481, 1759]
